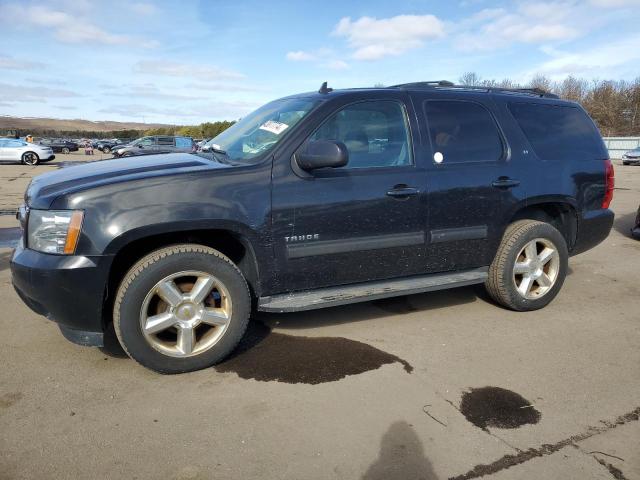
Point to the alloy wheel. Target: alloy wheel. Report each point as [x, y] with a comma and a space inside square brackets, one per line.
[186, 313]
[536, 268]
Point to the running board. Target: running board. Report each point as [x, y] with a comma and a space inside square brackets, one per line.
[362, 292]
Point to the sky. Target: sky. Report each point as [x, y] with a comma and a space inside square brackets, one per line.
[186, 62]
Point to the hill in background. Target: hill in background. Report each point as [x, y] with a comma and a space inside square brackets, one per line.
[41, 125]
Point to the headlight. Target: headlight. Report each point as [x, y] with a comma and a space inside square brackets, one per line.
[54, 231]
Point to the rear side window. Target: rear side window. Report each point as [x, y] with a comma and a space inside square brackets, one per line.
[184, 142]
[462, 132]
[558, 132]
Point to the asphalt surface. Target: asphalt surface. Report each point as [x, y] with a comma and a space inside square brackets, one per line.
[433, 386]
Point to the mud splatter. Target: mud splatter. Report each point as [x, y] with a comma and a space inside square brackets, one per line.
[498, 408]
[267, 356]
[8, 399]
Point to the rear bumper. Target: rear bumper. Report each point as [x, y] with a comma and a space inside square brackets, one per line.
[66, 289]
[593, 228]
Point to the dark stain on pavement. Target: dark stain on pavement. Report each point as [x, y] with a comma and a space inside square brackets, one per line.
[267, 356]
[524, 456]
[8, 399]
[498, 408]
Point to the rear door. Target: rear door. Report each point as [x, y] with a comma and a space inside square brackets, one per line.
[165, 144]
[473, 186]
[362, 222]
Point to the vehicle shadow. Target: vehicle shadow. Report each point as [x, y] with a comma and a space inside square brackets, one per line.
[401, 456]
[358, 312]
[623, 223]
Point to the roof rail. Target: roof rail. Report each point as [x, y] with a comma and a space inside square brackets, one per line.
[538, 92]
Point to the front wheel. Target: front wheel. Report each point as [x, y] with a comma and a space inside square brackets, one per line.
[529, 267]
[106, 149]
[30, 158]
[181, 308]
[65, 150]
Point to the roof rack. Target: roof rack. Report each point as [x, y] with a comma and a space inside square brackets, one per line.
[538, 92]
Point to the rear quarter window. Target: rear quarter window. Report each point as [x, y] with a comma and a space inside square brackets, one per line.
[559, 132]
[184, 142]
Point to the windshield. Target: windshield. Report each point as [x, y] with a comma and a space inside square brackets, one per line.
[260, 131]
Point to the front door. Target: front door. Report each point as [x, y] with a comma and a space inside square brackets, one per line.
[357, 223]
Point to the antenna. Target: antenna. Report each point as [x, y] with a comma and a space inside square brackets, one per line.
[324, 89]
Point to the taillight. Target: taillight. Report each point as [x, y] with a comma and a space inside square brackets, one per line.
[609, 181]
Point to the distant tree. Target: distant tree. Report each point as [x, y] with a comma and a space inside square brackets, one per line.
[470, 79]
[541, 82]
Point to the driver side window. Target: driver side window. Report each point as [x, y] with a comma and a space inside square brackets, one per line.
[376, 134]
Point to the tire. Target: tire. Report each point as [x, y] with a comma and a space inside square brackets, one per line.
[185, 335]
[106, 149]
[65, 150]
[30, 158]
[545, 274]
[625, 162]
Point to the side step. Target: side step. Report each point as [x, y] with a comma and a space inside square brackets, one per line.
[362, 292]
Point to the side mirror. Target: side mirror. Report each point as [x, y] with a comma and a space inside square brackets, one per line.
[322, 154]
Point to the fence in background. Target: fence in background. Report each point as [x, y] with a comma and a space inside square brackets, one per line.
[619, 145]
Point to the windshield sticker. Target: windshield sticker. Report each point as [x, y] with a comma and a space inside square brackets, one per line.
[274, 126]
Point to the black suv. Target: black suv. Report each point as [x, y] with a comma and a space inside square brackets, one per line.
[60, 146]
[155, 144]
[316, 200]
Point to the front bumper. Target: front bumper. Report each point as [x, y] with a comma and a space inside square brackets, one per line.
[66, 289]
[593, 228]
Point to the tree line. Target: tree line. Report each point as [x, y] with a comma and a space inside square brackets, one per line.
[613, 104]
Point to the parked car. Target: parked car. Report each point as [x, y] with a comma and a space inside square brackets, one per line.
[106, 146]
[60, 146]
[155, 144]
[632, 157]
[635, 231]
[293, 209]
[27, 153]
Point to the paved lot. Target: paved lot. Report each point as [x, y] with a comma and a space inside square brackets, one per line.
[383, 390]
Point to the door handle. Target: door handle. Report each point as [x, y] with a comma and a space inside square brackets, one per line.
[402, 191]
[505, 182]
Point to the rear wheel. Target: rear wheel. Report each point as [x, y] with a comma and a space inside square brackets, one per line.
[30, 158]
[106, 149]
[65, 150]
[181, 308]
[529, 267]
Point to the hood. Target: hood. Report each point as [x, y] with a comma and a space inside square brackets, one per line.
[44, 189]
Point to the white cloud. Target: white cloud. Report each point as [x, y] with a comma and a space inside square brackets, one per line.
[143, 8]
[11, 63]
[336, 65]
[193, 71]
[149, 90]
[532, 23]
[204, 111]
[615, 3]
[372, 38]
[67, 28]
[605, 60]
[21, 93]
[300, 56]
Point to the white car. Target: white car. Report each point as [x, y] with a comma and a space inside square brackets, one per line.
[24, 152]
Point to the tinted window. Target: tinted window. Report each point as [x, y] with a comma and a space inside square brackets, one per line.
[165, 141]
[184, 142]
[376, 134]
[463, 132]
[558, 132]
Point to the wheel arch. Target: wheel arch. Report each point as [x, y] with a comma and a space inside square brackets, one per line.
[231, 243]
[559, 212]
